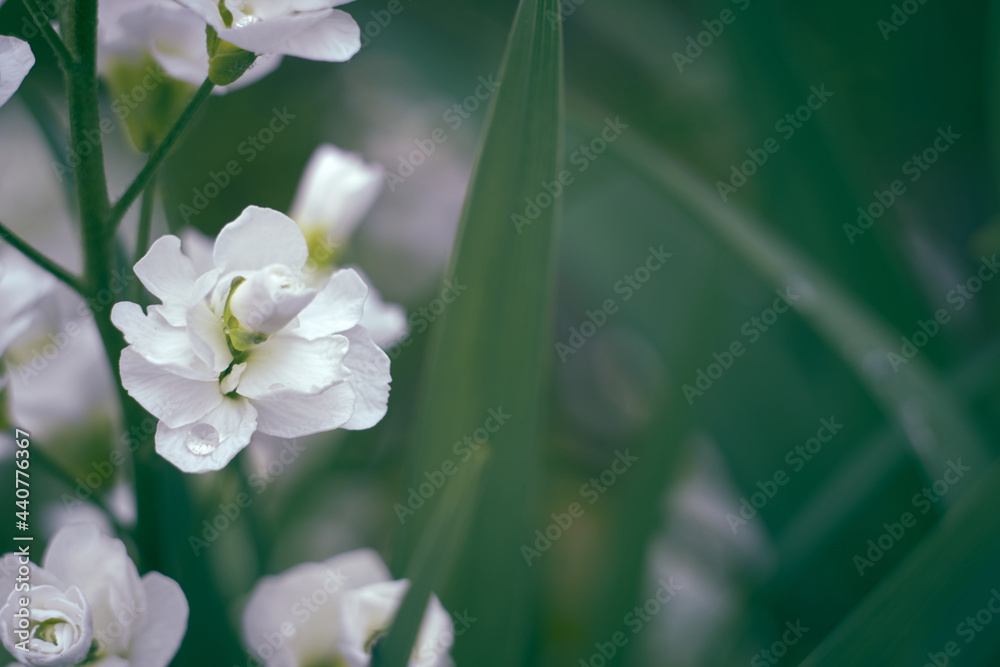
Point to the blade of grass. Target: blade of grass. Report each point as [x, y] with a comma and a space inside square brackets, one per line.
[432, 562]
[490, 350]
[918, 609]
[936, 426]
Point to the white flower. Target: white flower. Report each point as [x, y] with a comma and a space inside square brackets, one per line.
[333, 612]
[310, 29]
[170, 34]
[336, 192]
[87, 600]
[16, 60]
[367, 613]
[247, 346]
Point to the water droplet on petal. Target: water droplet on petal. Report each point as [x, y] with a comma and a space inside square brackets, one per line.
[202, 439]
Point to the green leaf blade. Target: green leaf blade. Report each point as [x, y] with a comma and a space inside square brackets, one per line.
[490, 353]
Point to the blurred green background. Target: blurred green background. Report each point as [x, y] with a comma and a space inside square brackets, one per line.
[667, 515]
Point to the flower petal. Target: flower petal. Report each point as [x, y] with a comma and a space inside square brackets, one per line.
[266, 35]
[338, 307]
[385, 322]
[166, 272]
[169, 397]
[369, 378]
[206, 9]
[287, 363]
[336, 191]
[162, 627]
[335, 39]
[158, 342]
[16, 60]
[259, 238]
[207, 337]
[228, 428]
[269, 299]
[291, 415]
[198, 248]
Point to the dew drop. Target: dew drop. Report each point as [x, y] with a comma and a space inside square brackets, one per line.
[202, 439]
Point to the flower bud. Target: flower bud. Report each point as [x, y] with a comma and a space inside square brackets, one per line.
[269, 299]
[56, 628]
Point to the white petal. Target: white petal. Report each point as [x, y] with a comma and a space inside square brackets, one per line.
[385, 322]
[175, 313]
[166, 272]
[100, 566]
[334, 39]
[197, 246]
[158, 342]
[369, 378]
[163, 626]
[259, 238]
[338, 307]
[336, 191]
[171, 398]
[286, 363]
[292, 415]
[16, 60]
[267, 35]
[206, 9]
[207, 337]
[269, 299]
[228, 428]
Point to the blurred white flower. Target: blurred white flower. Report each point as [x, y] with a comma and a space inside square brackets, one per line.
[336, 192]
[22, 285]
[310, 29]
[170, 34]
[334, 612]
[88, 603]
[247, 345]
[367, 613]
[16, 60]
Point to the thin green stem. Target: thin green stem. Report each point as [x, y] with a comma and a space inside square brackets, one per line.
[42, 261]
[157, 157]
[145, 220]
[63, 55]
[80, 29]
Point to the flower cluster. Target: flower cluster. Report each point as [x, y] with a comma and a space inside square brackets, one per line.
[247, 345]
[334, 613]
[87, 603]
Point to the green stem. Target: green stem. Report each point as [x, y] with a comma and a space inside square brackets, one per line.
[157, 157]
[80, 28]
[63, 55]
[42, 261]
[145, 220]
